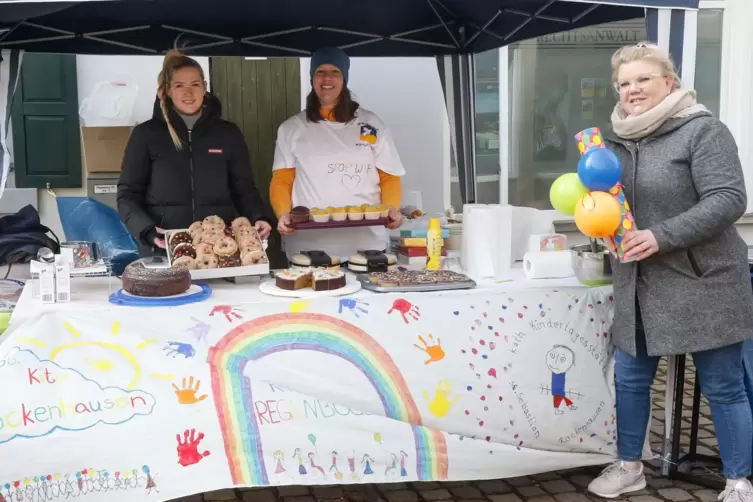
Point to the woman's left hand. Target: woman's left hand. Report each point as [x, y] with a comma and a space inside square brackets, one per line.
[641, 244]
[395, 219]
[263, 228]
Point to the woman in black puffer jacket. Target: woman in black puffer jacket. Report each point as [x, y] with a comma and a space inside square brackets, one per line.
[186, 163]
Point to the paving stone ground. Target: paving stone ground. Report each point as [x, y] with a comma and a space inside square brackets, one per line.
[560, 486]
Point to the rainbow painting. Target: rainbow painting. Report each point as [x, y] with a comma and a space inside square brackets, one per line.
[256, 339]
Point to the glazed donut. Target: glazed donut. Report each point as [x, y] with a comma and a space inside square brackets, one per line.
[184, 250]
[197, 237]
[252, 256]
[204, 248]
[211, 236]
[180, 238]
[244, 231]
[240, 222]
[228, 261]
[226, 246]
[213, 222]
[185, 261]
[195, 227]
[207, 260]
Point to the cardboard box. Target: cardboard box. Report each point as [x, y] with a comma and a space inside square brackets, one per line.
[103, 148]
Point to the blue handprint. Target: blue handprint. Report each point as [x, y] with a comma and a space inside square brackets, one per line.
[178, 348]
[352, 305]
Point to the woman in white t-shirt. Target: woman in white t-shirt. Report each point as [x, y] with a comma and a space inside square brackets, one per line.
[334, 153]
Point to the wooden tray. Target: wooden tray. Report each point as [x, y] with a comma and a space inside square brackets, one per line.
[313, 225]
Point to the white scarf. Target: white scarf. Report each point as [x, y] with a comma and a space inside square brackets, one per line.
[679, 103]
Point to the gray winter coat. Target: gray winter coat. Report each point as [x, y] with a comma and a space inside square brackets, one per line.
[685, 183]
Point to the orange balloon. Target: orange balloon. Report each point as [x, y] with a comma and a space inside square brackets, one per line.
[597, 215]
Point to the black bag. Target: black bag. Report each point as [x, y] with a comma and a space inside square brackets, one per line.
[22, 235]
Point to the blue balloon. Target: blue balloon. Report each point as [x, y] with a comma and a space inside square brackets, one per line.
[599, 170]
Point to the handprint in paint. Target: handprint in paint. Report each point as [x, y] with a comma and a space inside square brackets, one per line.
[187, 392]
[407, 310]
[352, 305]
[228, 311]
[188, 448]
[443, 400]
[199, 330]
[176, 349]
[432, 348]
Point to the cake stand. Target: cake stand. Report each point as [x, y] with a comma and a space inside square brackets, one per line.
[194, 294]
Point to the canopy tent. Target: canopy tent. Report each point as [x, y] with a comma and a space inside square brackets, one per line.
[450, 30]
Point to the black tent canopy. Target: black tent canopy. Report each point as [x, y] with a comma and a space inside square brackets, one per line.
[450, 30]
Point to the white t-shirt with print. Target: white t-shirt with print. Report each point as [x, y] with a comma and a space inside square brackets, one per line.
[336, 165]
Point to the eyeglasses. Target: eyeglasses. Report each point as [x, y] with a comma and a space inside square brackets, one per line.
[640, 83]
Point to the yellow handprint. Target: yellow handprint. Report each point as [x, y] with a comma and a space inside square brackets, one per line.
[299, 306]
[440, 405]
[433, 348]
[187, 395]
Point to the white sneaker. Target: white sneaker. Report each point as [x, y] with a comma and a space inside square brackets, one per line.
[617, 479]
[741, 491]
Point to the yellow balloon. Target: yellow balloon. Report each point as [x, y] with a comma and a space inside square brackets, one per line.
[597, 215]
[377, 437]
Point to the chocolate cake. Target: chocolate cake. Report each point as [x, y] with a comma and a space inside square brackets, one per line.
[140, 280]
[300, 214]
[318, 279]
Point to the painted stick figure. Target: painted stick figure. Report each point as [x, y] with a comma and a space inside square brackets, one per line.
[279, 457]
[559, 360]
[312, 461]
[301, 467]
[403, 471]
[367, 470]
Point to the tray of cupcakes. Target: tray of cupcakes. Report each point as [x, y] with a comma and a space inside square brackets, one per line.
[212, 249]
[303, 218]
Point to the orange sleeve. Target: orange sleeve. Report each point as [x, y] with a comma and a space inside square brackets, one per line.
[392, 189]
[281, 190]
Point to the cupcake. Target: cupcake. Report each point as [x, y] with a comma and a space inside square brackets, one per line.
[355, 213]
[371, 212]
[339, 214]
[329, 209]
[300, 214]
[384, 211]
[319, 215]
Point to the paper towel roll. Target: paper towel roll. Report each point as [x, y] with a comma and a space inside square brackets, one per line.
[486, 240]
[548, 264]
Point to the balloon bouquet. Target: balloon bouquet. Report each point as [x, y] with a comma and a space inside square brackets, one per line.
[594, 195]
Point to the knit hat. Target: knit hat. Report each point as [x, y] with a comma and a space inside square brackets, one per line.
[330, 55]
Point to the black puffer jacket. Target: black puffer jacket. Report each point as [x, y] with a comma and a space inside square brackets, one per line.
[161, 186]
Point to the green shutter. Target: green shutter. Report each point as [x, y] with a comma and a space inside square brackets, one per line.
[46, 135]
[258, 95]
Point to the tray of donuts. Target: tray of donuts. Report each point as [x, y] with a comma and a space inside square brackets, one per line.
[213, 249]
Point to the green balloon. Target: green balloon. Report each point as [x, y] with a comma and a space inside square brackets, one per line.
[566, 191]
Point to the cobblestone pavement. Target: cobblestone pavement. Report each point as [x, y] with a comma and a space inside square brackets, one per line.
[560, 486]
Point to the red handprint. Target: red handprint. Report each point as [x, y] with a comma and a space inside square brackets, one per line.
[228, 311]
[406, 309]
[188, 448]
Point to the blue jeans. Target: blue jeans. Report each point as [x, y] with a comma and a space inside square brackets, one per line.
[748, 364]
[721, 376]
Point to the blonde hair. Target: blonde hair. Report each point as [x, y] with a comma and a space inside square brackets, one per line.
[645, 51]
[174, 61]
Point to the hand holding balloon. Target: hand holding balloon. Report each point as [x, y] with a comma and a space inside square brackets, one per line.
[640, 244]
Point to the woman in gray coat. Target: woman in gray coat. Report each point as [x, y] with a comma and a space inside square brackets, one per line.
[688, 290]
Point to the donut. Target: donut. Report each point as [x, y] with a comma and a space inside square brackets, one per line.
[184, 250]
[185, 261]
[240, 222]
[180, 238]
[228, 261]
[253, 256]
[204, 248]
[245, 231]
[197, 237]
[195, 227]
[225, 247]
[211, 236]
[207, 260]
[213, 222]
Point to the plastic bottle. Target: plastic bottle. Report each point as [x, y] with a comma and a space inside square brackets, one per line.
[434, 244]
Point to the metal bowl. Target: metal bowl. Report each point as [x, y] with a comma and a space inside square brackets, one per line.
[592, 269]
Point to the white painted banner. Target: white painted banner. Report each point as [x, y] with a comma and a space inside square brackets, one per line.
[126, 404]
